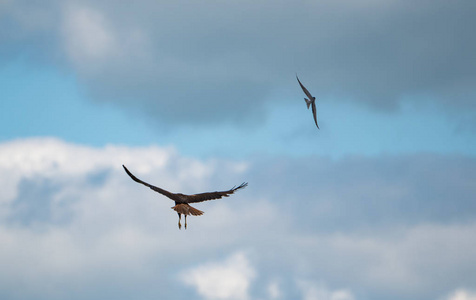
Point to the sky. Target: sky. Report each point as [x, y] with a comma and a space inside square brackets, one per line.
[380, 203]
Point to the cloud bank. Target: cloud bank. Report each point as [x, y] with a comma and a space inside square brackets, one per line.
[208, 62]
[73, 224]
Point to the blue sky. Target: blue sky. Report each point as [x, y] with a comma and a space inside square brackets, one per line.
[377, 204]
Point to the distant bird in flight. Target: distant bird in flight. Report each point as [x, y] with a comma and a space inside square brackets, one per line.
[182, 201]
[310, 101]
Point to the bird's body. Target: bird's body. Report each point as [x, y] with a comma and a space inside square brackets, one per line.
[182, 206]
[309, 102]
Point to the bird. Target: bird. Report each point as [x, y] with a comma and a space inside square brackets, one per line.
[182, 201]
[311, 101]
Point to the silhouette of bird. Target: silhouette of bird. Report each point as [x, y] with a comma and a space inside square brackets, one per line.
[182, 201]
[311, 101]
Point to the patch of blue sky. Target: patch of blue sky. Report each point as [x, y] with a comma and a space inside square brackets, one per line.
[42, 101]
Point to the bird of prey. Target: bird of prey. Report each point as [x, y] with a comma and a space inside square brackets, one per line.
[182, 201]
[311, 101]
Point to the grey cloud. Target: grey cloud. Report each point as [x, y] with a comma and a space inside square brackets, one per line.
[34, 204]
[29, 30]
[207, 62]
[44, 201]
[359, 192]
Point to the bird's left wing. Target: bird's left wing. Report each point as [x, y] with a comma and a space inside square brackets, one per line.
[213, 195]
[153, 187]
[304, 89]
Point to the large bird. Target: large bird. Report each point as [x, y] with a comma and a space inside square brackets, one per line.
[182, 201]
[311, 101]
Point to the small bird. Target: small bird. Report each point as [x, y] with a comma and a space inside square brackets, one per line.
[182, 201]
[310, 101]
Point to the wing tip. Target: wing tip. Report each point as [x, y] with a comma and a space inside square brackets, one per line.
[243, 185]
[131, 175]
[234, 188]
[125, 169]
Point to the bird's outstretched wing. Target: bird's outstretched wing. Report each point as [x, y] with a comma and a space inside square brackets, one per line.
[304, 89]
[157, 189]
[214, 195]
[314, 113]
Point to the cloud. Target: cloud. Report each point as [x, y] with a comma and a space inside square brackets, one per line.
[68, 222]
[72, 223]
[312, 291]
[274, 291]
[358, 191]
[462, 295]
[205, 63]
[228, 280]
[88, 37]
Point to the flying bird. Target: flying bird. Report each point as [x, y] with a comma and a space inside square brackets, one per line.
[182, 201]
[311, 101]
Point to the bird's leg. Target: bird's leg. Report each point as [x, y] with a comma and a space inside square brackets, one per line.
[179, 217]
[185, 221]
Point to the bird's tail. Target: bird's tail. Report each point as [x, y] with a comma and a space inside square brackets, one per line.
[187, 210]
[195, 212]
[308, 102]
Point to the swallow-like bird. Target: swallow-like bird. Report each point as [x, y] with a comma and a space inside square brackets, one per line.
[182, 201]
[311, 101]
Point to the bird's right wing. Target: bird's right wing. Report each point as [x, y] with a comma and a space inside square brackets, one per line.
[304, 89]
[214, 195]
[314, 113]
[157, 189]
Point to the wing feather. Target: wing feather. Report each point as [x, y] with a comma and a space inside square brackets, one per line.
[157, 189]
[214, 195]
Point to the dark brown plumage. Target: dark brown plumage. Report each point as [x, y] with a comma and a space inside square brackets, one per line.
[182, 201]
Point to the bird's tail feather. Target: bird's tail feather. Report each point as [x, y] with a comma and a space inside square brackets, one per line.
[187, 210]
[308, 102]
[195, 212]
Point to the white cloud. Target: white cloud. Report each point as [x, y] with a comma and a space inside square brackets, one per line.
[274, 291]
[462, 294]
[111, 225]
[230, 279]
[91, 228]
[312, 291]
